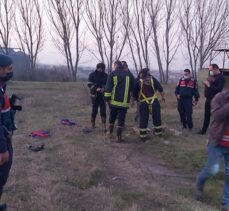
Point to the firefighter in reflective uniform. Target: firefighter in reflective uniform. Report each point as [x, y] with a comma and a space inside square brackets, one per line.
[118, 90]
[146, 92]
[185, 91]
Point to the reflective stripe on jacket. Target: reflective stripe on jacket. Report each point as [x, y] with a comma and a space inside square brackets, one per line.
[119, 86]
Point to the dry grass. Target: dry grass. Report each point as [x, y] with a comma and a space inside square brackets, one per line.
[85, 172]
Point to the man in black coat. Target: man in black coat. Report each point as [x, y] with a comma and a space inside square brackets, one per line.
[97, 82]
[213, 85]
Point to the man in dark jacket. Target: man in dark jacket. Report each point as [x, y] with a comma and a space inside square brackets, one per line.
[146, 92]
[213, 85]
[6, 124]
[96, 82]
[186, 90]
[117, 93]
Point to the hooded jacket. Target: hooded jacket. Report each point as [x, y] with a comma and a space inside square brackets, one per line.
[219, 125]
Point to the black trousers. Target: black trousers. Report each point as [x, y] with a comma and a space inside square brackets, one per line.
[120, 114]
[144, 117]
[207, 115]
[185, 110]
[99, 102]
[5, 168]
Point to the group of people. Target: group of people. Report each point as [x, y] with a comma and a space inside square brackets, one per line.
[117, 90]
[188, 95]
[120, 87]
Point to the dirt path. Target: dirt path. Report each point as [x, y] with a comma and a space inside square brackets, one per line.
[133, 168]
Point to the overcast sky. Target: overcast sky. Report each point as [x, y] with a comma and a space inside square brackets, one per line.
[50, 55]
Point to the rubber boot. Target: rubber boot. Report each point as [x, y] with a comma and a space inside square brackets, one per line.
[111, 128]
[110, 131]
[2, 205]
[93, 123]
[104, 125]
[119, 135]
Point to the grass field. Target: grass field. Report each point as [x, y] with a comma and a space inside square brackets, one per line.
[86, 172]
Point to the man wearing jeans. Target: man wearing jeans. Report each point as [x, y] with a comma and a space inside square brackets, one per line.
[218, 146]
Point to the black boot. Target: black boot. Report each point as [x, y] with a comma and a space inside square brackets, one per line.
[201, 132]
[111, 128]
[3, 207]
[110, 132]
[93, 123]
[104, 125]
[119, 135]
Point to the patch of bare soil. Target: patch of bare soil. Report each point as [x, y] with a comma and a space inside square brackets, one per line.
[139, 174]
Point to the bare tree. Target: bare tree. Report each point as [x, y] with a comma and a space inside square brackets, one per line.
[65, 17]
[104, 22]
[204, 25]
[7, 12]
[75, 10]
[95, 15]
[171, 37]
[140, 30]
[29, 29]
[151, 29]
[155, 9]
[127, 17]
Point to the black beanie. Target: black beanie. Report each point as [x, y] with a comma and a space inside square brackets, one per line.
[144, 72]
[101, 65]
[5, 60]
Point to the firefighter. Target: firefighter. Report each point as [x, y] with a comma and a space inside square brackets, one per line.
[185, 91]
[118, 90]
[96, 82]
[146, 91]
[6, 124]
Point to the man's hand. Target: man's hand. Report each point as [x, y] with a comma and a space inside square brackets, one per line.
[98, 90]
[206, 83]
[194, 103]
[101, 90]
[178, 97]
[4, 157]
[108, 103]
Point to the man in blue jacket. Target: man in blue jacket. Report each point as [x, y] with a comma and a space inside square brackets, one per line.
[186, 90]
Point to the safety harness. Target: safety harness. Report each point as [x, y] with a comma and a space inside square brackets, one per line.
[143, 98]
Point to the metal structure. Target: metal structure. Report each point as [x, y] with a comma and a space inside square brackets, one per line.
[225, 53]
